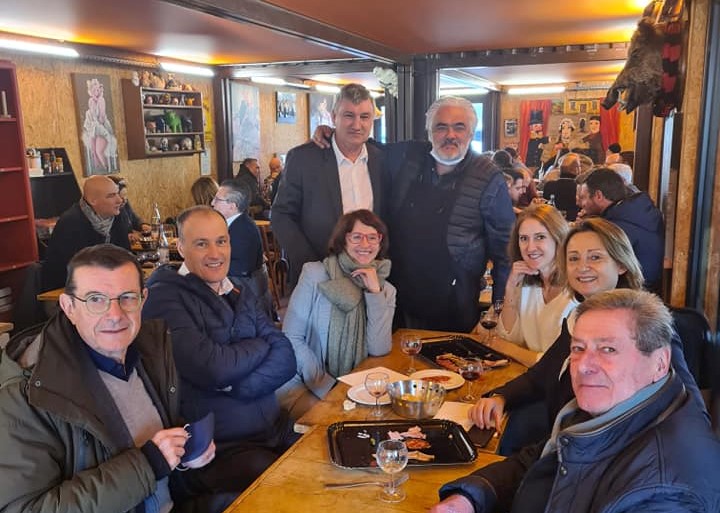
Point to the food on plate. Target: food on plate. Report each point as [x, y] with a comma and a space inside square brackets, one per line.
[490, 364]
[414, 432]
[450, 361]
[417, 443]
[420, 456]
[437, 378]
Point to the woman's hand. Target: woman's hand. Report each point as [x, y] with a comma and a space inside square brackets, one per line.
[369, 277]
[518, 271]
[488, 412]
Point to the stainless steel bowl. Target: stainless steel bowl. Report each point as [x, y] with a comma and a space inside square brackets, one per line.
[416, 399]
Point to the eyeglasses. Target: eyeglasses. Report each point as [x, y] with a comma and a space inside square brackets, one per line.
[357, 238]
[222, 199]
[98, 304]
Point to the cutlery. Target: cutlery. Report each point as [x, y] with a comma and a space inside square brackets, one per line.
[335, 486]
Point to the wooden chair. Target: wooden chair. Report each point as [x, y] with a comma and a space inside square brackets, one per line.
[271, 254]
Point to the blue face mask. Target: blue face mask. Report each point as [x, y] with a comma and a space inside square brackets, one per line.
[448, 162]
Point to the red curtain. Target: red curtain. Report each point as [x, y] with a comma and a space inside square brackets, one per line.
[526, 107]
[609, 125]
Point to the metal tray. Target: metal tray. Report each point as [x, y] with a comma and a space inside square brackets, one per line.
[449, 442]
[459, 346]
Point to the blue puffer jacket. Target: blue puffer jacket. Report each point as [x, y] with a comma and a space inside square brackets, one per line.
[230, 361]
[660, 456]
[642, 222]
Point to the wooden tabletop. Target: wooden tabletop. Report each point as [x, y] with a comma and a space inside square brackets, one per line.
[295, 481]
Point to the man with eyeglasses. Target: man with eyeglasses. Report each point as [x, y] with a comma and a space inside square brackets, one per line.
[321, 184]
[230, 356]
[88, 402]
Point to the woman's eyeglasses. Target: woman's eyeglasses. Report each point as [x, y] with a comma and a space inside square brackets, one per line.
[357, 238]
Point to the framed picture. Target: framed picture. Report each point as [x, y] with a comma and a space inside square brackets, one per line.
[319, 109]
[245, 119]
[285, 107]
[96, 121]
[511, 127]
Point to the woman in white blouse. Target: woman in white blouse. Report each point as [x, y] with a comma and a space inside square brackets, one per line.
[535, 300]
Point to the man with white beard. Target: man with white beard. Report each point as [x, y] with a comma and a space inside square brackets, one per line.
[450, 212]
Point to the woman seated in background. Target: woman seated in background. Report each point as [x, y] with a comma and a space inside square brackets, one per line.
[341, 310]
[127, 215]
[535, 300]
[203, 190]
[596, 257]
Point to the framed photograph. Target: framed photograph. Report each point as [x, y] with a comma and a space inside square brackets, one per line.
[245, 119]
[558, 107]
[285, 107]
[511, 127]
[96, 121]
[319, 109]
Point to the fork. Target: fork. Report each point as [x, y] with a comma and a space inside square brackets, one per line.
[335, 486]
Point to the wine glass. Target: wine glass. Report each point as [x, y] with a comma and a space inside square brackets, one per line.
[376, 385]
[489, 320]
[498, 305]
[392, 457]
[410, 344]
[471, 371]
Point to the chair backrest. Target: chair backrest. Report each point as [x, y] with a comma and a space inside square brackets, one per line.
[699, 345]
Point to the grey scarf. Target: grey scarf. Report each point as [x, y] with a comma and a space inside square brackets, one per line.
[102, 225]
[347, 344]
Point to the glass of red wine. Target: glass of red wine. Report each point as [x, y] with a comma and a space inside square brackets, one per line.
[471, 370]
[489, 320]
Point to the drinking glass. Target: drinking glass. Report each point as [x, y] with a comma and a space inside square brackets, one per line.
[410, 344]
[392, 457]
[489, 320]
[376, 385]
[471, 370]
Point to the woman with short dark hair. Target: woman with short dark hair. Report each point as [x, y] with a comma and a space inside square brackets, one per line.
[341, 310]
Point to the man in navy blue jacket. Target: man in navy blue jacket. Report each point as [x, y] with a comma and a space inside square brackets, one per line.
[230, 356]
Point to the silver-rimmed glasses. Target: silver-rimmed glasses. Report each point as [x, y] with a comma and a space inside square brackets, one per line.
[98, 304]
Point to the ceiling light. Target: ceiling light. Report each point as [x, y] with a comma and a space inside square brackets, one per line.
[268, 80]
[187, 69]
[25, 46]
[463, 91]
[324, 88]
[537, 90]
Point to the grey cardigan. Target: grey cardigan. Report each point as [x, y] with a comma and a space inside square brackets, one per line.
[307, 321]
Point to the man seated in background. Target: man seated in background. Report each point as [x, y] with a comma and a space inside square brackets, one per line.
[562, 191]
[604, 193]
[516, 187]
[612, 154]
[92, 220]
[273, 180]
[632, 439]
[87, 404]
[246, 254]
[230, 356]
[247, 174]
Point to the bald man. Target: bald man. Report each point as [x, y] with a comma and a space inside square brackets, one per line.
[563, 189]
[88, 222]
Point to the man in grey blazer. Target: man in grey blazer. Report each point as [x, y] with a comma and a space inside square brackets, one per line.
[319, 185]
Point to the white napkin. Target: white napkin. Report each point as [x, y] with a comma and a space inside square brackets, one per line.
[357, 378]
[457, 412]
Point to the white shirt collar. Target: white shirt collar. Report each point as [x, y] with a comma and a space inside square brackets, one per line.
[226, 285]
[233, 217]
[340, 157]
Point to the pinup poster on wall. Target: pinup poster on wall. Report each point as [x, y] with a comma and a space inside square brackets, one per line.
[93, 103]
[320, 106]
[285, 104]
[245, 115]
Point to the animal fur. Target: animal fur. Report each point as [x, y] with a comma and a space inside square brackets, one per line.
[640, 81]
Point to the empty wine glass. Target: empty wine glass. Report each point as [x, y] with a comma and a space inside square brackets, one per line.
[498, 305]
[489, 320]
[410, 344]
[376, 385]
[392, 457]
[471, 370]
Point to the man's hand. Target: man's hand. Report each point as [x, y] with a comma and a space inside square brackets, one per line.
[204, 458]
[454, 504]
[488, 412]
[369, 277]
[171, 443]
[321, 136]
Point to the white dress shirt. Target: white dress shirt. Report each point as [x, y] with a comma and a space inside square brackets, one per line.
[355, 186]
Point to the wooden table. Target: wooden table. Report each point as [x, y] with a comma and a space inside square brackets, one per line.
[295, 481]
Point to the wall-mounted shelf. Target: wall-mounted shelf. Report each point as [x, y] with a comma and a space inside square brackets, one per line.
[149, 133]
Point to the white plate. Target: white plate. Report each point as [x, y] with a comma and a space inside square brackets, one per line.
[455, 380]
[362, 396]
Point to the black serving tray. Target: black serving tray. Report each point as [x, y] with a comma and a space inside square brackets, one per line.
[459, 346]
[449, 442]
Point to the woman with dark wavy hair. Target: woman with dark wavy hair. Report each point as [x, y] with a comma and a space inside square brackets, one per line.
[341, 310]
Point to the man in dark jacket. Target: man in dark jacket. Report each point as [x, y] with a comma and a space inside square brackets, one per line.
[450, 213]
[563, 190]
[604, 193]
[87, 403]
[248, 175]
[632, 440]
[230, 356]
[92, 220]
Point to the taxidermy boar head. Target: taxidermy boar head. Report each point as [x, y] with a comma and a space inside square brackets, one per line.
[640, 81]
